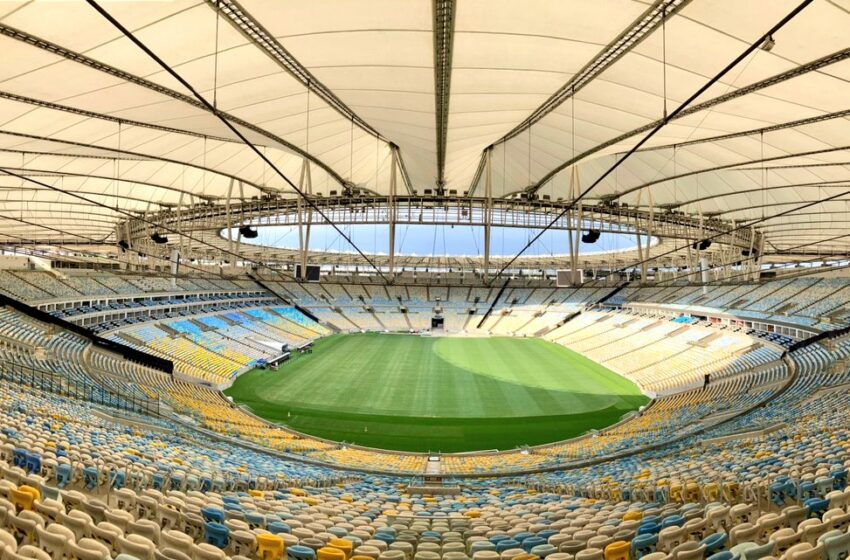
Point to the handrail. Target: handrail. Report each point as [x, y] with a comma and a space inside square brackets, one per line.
[96, 393]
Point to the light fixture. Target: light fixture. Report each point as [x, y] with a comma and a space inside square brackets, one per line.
[768, 44]
[592, 236]
[248, 232]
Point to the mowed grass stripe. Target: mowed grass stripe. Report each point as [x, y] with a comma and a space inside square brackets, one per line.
[439, 394]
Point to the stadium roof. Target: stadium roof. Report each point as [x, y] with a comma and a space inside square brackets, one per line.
[95, 128]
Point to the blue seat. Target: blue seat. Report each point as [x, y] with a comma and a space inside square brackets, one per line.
[723, 555]
[214, 515]
[63, 475]
[19, 457]
[714, 543]
[643, 545]
[276, 527]
[817, 506]
[216, 534]
[33, 463]
[672, 521]
[496, 538]
[506, 544]
[839, 477]
[386, 537]
[255, 520]
[300, 552]
[118, 479]
[90, 477]
[808, 490]
[650, 528]
[530, 542]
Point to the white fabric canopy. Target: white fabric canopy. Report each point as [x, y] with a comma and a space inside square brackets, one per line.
[100, 129]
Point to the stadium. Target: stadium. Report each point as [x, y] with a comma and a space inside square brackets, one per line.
[424, 280]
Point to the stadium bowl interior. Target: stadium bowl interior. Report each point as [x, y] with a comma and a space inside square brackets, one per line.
[446, 280]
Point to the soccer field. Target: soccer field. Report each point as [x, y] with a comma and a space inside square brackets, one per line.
[448, 394]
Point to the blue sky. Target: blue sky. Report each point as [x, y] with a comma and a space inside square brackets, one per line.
[439, 240]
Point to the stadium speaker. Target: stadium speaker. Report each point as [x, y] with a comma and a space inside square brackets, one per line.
[592, 236]
[248, 232]
[124, 246]
[159, 239]
[702, 245]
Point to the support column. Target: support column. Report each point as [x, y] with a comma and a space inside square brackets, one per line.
[574, 226]
[647, 249]
[305, 217]
[757, 260]
[229, 216]
[175, 267]
[239, 233]
[488, 208]
[391, 211]
[750, 258]
[705, 272]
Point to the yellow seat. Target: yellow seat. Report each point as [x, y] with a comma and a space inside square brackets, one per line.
[329, 553]
[270, 546]
[344, 545]
[617, 550]
[24, 497]
[633, 516]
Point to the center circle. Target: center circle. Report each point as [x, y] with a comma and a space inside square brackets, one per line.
[439, 394]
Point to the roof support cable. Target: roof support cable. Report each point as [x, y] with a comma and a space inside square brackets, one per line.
[142, 218]
[127, 33]
[664, 57]
[743, 225]
[116, 167]
[763, 175]
[675, 177]
[529, 155]
[215, 60]
[351, 154]
[753, 46]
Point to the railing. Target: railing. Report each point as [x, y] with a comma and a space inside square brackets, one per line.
[53, 382]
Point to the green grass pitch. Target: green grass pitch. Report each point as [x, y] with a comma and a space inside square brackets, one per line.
[449, 394]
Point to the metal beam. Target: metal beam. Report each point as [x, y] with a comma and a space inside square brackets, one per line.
[139, 155]
[641, 28]
[638, 30]
[263, 39]
[50, 173]
[153, 86]
[444, 27]
[819, 184]
[223, 118]
[752, 132]
[812, 66]
[727, 166]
